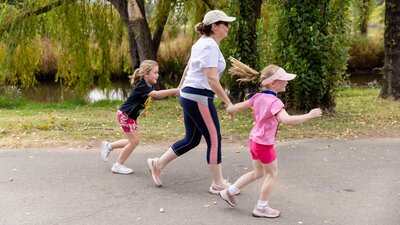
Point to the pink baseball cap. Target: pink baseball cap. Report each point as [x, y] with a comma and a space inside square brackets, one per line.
[280, 74]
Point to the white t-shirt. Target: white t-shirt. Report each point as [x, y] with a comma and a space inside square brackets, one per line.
[205, 54]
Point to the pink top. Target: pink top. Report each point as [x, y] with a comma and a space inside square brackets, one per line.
[265, 109]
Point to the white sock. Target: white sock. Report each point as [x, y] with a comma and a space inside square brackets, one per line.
[116, 164]
[233, 190]
[109, 146]
[262, 204]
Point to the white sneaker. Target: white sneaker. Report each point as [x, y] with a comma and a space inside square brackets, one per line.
[105, 150]
[121, 169]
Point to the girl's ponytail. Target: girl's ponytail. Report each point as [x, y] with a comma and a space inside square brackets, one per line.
[135, 77]
[245, 72]
[248, 74]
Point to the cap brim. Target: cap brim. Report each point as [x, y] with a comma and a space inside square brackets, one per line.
[288, 76]
[229, 19]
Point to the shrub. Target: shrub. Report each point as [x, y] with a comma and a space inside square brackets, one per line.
[172, 58]
[366, 54]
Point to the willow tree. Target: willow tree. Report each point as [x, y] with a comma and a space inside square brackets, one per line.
[311, 41]
[86, 33]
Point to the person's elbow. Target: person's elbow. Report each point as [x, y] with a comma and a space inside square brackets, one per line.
[155, 95]
[285, 121]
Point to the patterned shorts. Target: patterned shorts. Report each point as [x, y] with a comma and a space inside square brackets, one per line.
[127, 124]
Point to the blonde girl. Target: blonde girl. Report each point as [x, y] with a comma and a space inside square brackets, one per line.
[268, 111]
[143, 79]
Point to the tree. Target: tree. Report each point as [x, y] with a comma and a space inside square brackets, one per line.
[311, 41]
[142, 44]
[246, 44]
[391, 69]
[362, 13]
[21, 22]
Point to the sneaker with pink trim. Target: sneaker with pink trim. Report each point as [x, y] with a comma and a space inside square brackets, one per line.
[228, 198]
[154, 171]
[266, 212]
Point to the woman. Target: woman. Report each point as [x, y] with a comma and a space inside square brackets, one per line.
[199, 84]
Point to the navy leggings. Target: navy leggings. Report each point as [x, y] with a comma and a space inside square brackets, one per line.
[201, 119]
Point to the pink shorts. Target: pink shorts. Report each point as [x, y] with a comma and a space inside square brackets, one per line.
[127, 124]
[265, 153]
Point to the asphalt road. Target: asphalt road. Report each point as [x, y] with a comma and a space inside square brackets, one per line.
[340, 182]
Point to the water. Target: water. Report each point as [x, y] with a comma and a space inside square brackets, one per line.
[365, 79]
[53, 92]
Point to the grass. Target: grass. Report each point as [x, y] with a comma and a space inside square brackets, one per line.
[359, 114]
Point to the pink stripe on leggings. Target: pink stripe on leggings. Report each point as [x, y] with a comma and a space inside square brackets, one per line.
[205, 113]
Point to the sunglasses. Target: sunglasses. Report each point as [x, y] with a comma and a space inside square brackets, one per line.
[222, 22]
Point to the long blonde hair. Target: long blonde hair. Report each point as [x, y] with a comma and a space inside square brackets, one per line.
[248, 74]
[145, 66]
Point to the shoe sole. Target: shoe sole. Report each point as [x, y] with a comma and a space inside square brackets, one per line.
[103, 156]
[117, 172]
[265, 216]
[150, 165]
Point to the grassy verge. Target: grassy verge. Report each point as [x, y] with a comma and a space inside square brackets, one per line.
[359, 114]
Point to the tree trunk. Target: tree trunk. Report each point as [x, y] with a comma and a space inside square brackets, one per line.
[141, 44]
[250, 11]
[163, 9]
[391, 70]
[138, 23]
[140, 41]
[122, 7]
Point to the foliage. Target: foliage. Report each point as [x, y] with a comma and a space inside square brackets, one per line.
[246, 34]
[266, 26]
[377, 18]
[244, 42]
[361, 11]
[172, 58]
[87, 38]
[311, 42]
[366, 54]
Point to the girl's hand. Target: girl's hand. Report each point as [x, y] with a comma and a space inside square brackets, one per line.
[230, 108]
[314, 113]
[177, 91]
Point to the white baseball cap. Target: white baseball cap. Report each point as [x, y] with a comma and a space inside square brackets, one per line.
[215, 16]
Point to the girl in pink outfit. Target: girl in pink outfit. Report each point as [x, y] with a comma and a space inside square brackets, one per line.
[268, 111]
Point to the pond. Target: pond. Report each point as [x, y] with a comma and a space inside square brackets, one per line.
[52, 92]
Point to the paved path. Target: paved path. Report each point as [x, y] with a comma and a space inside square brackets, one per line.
[353, 182]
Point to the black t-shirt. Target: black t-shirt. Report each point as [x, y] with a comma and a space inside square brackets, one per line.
[136, 101]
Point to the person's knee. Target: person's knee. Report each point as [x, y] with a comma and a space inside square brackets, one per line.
[257, 174]
[194, 143]
[134, 142]
[272, 173]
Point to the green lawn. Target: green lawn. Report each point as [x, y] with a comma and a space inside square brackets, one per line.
[359, 114]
